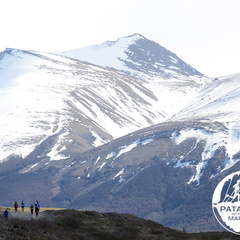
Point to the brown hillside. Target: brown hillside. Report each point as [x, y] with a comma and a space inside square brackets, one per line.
[89, 225]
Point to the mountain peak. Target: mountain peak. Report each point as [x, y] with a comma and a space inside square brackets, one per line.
[122, 42]
[135, 36]
[135, 55]
[8, 51]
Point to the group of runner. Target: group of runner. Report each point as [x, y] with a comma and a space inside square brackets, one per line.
[35, 207]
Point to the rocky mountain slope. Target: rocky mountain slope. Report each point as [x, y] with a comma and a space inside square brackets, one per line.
[136, 56]
[151, 143]
[157, 173]
[78, 104]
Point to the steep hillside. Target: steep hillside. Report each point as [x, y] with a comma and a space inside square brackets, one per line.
[75, 103]
[89, 225]
[136, 56]
[218, 100]
[166, 173]
[76, 106]
[78, 135]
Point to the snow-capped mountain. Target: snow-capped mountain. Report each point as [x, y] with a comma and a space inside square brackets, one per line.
[44, 94]
[166, 172]
[81, 104]
[143, 133]
[215, 100]
[136, 56]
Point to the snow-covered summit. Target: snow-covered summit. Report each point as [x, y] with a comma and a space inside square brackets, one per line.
[67, 122]
[43, 95]
[135, 55]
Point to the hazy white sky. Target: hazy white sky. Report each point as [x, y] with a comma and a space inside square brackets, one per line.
[204, 33]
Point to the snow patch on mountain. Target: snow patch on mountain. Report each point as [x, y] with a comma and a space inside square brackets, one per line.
[127, 148]
[54, 154]
[29, 168]
[230, 140]
[102, 165]
[111, 157]
[121, 172]
[213, 140]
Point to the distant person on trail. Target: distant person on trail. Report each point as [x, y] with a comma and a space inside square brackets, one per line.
[37, 208]
[16, 206]
[6, 213]
[22, 206]
[31, 208]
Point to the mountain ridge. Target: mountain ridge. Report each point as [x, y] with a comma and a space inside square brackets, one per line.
[127, 105]
[91, 137]
[136, 56]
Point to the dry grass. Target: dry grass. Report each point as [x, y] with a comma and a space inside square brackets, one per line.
[88, 225]
[27, 209]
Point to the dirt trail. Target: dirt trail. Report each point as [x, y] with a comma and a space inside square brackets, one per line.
[26, 215]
